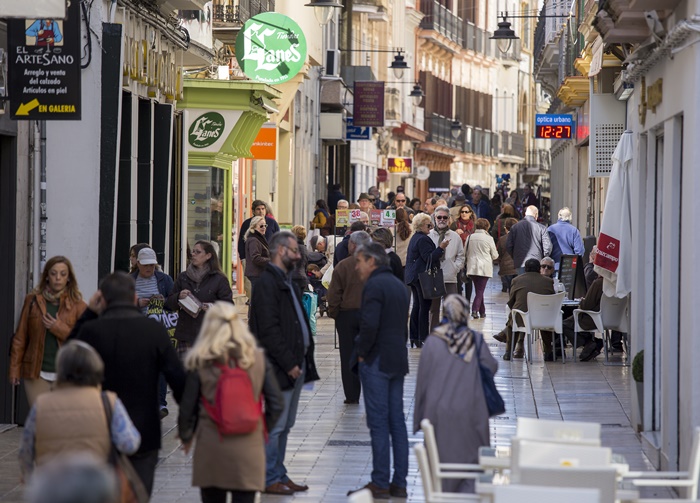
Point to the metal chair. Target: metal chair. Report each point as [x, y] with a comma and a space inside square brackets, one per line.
[516, 493]
[543, 313]
[440, 470]
[549, 430]
[432, 495]
[687, 479]
[612, 316]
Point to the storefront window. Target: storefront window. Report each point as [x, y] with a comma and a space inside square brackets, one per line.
[205, 210]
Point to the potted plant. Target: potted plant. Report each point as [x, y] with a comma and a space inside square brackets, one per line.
[638, 376]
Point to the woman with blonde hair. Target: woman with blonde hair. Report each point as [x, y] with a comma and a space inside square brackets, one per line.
[232, 464]
[49, 314]
[257, 252]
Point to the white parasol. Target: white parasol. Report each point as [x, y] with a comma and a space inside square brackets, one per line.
[613, 260]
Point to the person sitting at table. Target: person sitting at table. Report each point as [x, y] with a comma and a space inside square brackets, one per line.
[547, 267]
[591, 302]
[530, 281]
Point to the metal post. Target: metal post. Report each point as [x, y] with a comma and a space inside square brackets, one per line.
[43, 218]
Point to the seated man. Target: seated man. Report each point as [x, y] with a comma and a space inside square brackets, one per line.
[530, 281]
[547, 267]
[591, 302]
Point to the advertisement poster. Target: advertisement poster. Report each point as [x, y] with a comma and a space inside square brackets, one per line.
[375, 217]
[342, 218]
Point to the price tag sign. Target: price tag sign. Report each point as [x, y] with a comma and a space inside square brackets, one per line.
[355, 215]
[342, 218]
[375, 217]
[388, 218]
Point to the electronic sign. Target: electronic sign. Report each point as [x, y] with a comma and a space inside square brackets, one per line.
[554, 126]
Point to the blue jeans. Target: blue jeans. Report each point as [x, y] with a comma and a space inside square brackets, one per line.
[276, 446]
[384, 406]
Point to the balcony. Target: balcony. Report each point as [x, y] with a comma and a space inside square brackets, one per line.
[538, 162]
[618, 24]
[512, 145]
[478, 40]
[441, 26]
[228, 17]
[439, 130]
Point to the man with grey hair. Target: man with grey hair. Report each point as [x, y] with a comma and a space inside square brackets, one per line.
[547, 267]
[565, 237]
[528, 239]
[344, 298]
[452, 260]
[282, 329]
[383, 362]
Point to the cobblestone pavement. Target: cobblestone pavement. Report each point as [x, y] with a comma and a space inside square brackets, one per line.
[329, 448]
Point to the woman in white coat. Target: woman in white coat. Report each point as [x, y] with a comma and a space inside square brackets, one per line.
[480, 252]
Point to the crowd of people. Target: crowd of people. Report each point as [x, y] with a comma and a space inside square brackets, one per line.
[114, 356]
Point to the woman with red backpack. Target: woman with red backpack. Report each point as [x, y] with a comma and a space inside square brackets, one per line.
[228, 375]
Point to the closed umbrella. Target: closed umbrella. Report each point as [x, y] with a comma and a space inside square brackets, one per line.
[613, 260]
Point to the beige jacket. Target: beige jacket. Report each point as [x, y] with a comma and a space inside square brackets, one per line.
[481, 252]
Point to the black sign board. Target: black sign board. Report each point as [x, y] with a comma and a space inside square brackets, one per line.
[44, 67]
[571, 274]
[439, 181]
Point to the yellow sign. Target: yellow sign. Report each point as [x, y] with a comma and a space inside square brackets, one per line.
[402, 165]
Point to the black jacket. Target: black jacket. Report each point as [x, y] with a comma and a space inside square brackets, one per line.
[213, 287]
[383, 322]
[341, 250]
[272, 228]
[273, 320]
[135, 350]
[421, 251]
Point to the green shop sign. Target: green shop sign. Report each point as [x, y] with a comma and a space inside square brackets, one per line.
[206, 130]
[271, 48]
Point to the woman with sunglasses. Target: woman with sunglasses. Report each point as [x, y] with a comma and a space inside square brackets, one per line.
[464, 226]
[257, 252]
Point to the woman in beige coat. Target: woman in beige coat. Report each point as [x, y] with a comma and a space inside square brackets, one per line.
[232, 464]
[480, 252]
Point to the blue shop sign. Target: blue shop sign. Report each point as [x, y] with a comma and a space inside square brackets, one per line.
[357, 132]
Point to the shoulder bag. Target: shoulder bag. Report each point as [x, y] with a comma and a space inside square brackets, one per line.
[432, 283]
[131, 488]
[494, 400]
[463, 276]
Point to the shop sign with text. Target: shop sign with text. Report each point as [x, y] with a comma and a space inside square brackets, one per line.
[368, 104]
[264, 146]
[44, 67]
[271, 48]
[400, 165]
[208, 129]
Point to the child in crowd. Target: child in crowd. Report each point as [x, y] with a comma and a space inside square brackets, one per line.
[314, 273]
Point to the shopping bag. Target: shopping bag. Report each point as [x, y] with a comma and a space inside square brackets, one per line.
[310, 303]
[326, 279]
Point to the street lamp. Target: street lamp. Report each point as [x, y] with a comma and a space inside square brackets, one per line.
[323, 9]
[456, 128]
[504, 35]
[417, 94]
[399, 65]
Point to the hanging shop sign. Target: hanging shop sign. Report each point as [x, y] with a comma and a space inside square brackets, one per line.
[368, 104]
[44, 67]
[31, 9]
[401, 165]
[342, 218]
[271, 48]
[554, 126]
[264, 146]
[388, 218]
[375, 217]
[207, 129]
[422, 172]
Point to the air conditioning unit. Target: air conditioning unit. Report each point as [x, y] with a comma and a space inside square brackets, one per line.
[621, 89]
[332, 62]
[607, 123]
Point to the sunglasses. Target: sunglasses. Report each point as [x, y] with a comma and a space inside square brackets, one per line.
[465, 211]
[546, 267]
[400, 200]
[441, 218]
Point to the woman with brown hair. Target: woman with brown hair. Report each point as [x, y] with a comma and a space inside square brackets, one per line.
[404, 231]
[499, 224]
[205, 281]
[464, 225]
[481, 252]
[49, 314]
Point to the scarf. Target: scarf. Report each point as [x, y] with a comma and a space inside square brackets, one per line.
[441, 234]
[467, 226]
[197, 274]
[52, 297]
[456, 332]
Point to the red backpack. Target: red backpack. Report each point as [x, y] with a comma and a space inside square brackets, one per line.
[234, 410]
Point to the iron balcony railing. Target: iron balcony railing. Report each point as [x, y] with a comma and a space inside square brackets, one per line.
[439, 18]
[478, 40]
[439, 130]
[512, 144]
[239, 11]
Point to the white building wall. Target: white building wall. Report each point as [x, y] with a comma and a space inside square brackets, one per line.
[73, 173]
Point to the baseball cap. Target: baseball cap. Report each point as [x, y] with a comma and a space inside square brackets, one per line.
[147, 257]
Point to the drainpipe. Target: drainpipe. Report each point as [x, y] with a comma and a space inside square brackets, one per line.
[43, 219]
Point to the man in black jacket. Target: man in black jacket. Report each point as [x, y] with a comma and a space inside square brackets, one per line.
[135, 350]
[278, 321]
[383, 362]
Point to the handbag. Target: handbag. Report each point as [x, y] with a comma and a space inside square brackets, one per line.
[494, 400]
[432, 283]
[462, 275]
[131, 488]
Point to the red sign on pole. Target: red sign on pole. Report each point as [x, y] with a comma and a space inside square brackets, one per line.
[368, 109]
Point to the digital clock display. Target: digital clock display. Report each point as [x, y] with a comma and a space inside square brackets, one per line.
[554, 132]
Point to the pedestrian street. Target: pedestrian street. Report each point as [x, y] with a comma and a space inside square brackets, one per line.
[329, 447]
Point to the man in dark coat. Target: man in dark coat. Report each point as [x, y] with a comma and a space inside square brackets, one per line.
[282, 329]
[135, 349]
[383, 361]
[528, 239]
[530, 281]
[341, 249]
[334, 196]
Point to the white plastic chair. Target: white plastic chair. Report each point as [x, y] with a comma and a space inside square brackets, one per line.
[543, 313]
[603, 479]
[432, 495]
[440, 470]
[688, 479]
[548, 430]
[612, 316]
[516, 493]
[363, 496]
